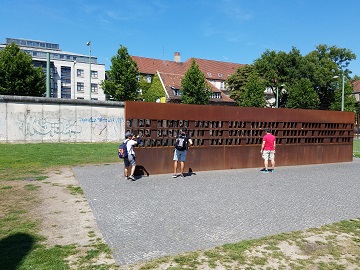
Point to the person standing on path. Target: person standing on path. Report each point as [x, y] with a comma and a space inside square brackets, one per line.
[126, 158]
[131, 154]
[182, 143]
[268, 150]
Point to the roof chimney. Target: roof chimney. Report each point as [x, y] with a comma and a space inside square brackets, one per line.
[176, 57]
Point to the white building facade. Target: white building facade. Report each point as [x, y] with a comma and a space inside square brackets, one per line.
[69, 72]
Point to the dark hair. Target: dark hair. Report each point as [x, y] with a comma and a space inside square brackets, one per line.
[267, 130]
[184, 130]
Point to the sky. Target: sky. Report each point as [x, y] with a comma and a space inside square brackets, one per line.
[236, 31]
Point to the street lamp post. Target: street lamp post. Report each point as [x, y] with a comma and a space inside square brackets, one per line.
[89, 44]
[342, 93]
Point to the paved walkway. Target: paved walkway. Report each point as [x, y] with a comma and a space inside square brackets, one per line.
[158, 215]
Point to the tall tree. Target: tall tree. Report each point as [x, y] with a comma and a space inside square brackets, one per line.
[319, 67]
[122, 83]
[18, 76]
[236, 82]
[301, 94]
[194, 88]
[155, 90]
[253, 93]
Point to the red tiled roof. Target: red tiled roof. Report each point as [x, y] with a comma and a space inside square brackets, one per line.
[151, 65]
[213, 70]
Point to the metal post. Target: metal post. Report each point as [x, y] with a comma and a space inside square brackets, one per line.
[342, 93]
[89, 44]
[277, 97]
[48, 74]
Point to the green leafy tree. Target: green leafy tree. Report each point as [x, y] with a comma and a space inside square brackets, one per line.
[194, 88]
[319, 67]
[325, 63]
[155, 90]
[253, 93]
[144, 85]
[122, 83]
[236, 82]
[18, 76]
[302, 95]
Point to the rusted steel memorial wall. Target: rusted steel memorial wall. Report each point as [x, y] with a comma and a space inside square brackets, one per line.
[230, 137]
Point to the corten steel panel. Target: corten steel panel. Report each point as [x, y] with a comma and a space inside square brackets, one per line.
[230, 137]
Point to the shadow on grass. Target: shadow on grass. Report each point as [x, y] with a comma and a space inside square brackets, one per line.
[13, 250]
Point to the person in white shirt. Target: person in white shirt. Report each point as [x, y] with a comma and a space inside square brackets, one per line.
[131, 154]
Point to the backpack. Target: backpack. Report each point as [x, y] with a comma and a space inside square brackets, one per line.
[181, 142]
[122, 151]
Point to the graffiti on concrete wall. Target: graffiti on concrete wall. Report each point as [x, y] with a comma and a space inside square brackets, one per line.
[34, 125]
[49, 126]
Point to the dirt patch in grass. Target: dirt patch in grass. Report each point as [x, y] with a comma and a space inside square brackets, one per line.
[66, 217]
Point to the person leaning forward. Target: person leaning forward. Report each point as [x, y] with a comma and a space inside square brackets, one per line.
[268, 150]
[180, 151]
[130, 160]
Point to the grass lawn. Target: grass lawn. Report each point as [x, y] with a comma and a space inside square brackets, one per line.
[21, 243]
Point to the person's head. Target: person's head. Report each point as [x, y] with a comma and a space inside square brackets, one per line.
[128, 135]
[267, 130]
[183, 130]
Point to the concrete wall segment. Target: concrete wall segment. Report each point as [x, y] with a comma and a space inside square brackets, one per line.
[52, 120]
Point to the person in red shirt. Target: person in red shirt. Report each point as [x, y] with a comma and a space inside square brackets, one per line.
[268, 150]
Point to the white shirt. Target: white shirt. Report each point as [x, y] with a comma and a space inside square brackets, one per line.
[130, 148]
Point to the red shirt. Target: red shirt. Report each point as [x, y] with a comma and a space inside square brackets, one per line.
[269, 140]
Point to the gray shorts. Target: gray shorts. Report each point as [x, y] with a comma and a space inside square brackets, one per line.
[132, 160]
[268, 154]
[179, 155]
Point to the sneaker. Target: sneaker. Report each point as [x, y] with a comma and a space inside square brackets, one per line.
[182, 176]
[174, 176]
[131, 177]
[265, 171]
[272, 170]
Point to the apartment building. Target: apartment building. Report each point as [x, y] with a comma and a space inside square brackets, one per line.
[69, 72]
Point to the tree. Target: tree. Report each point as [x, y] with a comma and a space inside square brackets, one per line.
[144, 85]
[302, 95]
[194, 88]
[18, 76]
[122, 83]
[253, 93]
[319, 67]
[155, 90]
[236, 82]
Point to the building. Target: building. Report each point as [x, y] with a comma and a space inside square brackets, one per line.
[171, 73]
[356, 89]
[69, 72]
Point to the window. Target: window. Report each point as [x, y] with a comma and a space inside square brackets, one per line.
[94, 87]
[80, 87]
[216, 95]
[222, 85]
[148, 78]
[80, 73]
[94, 74]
